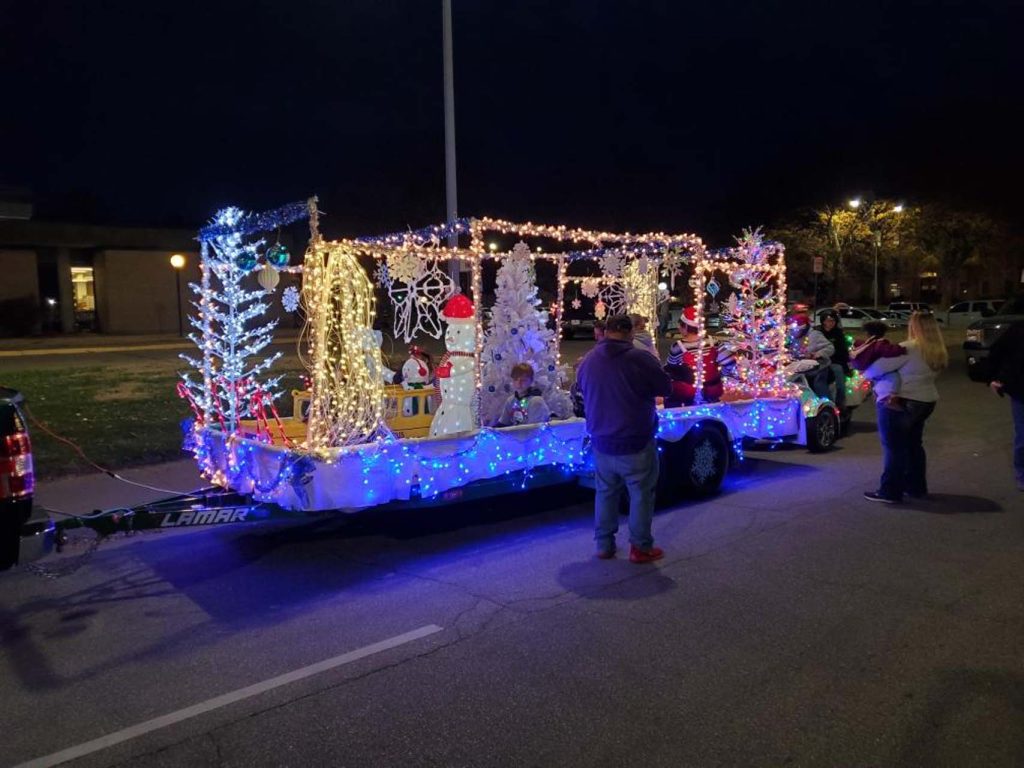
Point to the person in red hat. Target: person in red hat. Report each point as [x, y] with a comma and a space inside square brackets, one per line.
[681, 365]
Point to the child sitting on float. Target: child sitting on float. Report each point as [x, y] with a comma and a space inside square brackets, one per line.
[525, 405]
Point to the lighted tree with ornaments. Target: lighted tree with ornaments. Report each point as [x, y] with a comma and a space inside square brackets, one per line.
[755, 314]
[518, 333]
[230, 334]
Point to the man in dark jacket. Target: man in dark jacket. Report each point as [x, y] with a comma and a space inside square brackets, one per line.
[1006, 363]
[619, 384]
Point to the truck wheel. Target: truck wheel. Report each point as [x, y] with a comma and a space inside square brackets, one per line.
[822, 430]
[702, 461]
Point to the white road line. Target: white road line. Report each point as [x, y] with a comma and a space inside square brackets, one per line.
[73, 753]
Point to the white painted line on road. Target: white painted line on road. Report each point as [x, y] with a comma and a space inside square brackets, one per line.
[73, 753]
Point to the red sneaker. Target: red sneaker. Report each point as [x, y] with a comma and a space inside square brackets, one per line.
[637, 555]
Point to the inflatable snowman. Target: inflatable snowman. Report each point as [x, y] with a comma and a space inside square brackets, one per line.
[455, 372]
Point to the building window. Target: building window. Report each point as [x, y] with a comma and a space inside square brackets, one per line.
[84, 296]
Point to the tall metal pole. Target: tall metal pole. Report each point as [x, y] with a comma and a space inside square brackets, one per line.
[878, 246]
[451, 196]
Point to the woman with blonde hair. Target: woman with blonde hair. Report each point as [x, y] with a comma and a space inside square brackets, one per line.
[901, 419]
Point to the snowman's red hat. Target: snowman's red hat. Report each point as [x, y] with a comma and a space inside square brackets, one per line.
[459, 307]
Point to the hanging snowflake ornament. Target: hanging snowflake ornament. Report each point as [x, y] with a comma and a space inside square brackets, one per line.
[615, 298]
[713, 287]
[381, 276]
[590, 287]
[600, 310]
[405, 267]
[611, 264]
[672, 262]
[290, 298]
[576, 303]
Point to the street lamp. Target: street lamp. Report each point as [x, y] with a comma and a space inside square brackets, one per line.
[178, 262]
[854, 203]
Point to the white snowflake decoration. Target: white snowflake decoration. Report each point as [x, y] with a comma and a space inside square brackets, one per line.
[590, 287]
[703, 466]
[418, 305]
[290, 298]
[576, 303]
[615, 298]
[611, 264]
[405, 267]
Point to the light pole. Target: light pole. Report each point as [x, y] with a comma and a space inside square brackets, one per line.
[178, 262]
[450, 193]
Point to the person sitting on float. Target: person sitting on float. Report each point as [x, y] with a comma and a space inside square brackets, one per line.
[681, 365]
[832, 329]
[808, 343]
[525, 405]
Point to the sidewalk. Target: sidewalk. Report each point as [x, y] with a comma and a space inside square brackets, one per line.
[82, 494]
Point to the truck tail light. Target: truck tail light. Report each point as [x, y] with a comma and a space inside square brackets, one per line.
[16, 476]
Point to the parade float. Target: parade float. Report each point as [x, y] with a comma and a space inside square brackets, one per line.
[355, 440]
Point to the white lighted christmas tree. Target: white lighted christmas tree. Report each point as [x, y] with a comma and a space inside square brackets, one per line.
[230, 334]
[755, 313]
[518, 333]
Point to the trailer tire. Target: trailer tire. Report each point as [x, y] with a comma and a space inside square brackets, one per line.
[823, 430]
[699, 462]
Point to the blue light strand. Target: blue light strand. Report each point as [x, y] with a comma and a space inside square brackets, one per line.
[251, 223]
[422, 236]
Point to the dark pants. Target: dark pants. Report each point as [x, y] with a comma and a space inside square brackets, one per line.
[1017, 409]
[901, 432]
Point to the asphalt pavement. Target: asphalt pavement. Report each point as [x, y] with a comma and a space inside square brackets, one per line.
[791, 623]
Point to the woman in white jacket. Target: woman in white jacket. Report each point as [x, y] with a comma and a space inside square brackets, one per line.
[901, 419]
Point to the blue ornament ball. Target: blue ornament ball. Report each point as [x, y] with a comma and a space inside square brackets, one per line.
[497, 356]
[278, 256]
[490, 388]
[551, 368]
[247, 261]
[515, 331]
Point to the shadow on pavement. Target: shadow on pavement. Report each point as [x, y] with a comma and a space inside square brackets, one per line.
[955, 504]
[616, 579]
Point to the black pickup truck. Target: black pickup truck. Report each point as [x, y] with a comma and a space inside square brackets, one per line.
[981, 335]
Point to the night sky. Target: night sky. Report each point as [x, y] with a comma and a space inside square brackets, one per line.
[682, 116]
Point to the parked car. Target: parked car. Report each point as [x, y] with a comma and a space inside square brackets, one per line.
[963, 313]
[981, 334]
[853, 318]
[17, 481]
[909, 306]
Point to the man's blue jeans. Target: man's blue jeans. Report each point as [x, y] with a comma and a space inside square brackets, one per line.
[1017, 408]
[638, 473]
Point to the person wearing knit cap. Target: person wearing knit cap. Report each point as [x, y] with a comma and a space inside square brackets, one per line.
[808, 343]
[681, 365]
